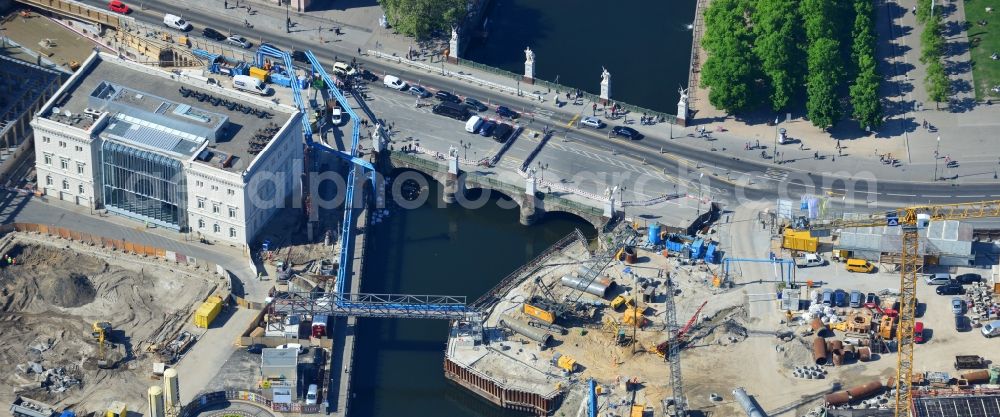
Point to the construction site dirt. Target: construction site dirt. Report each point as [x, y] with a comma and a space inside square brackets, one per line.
[53, 294]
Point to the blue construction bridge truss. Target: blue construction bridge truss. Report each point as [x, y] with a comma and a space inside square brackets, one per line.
[375, 305]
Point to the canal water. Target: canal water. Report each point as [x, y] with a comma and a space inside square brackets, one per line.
[645, 45]
[446, 251]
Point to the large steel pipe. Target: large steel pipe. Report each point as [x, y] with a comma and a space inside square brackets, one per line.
[749, 405]
[599, 286]
[819, 351]
[526, 330]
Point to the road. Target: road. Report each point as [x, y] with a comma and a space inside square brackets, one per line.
[766, 181]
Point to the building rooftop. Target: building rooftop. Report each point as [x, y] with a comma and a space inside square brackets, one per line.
[279, 357]
[159, 102]
[957, 406]
[948, 237]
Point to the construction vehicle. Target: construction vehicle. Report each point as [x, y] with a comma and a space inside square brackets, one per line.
[662, 348]
[912, 220]
[564, 362]
[117, 409]
[620, 301]
[538, 308]
[101, 330]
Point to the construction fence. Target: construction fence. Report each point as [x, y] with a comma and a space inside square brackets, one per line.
[204, 401]
[120, 245]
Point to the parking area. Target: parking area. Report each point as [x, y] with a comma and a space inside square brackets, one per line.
[942, 341]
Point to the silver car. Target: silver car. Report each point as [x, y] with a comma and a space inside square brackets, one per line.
[957, 305]
[592, 122]
[238, 40]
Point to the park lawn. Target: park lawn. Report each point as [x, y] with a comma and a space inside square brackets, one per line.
[985, 40]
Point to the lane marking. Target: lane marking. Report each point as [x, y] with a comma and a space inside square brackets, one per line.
[573, 120]
[936, 196]
[971, 196]
[902, 195]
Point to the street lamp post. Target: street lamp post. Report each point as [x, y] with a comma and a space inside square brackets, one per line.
[700, 187]
[775, 150]
[288, 19]
[936, 153]
[621, 199]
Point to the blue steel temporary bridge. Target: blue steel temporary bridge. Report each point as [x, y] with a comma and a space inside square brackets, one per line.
[787, 267]
[339, 303]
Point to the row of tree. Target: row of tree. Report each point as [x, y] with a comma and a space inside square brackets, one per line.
[932, 49]
[756, 49]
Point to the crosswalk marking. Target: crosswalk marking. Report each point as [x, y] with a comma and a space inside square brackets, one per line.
[775, 174]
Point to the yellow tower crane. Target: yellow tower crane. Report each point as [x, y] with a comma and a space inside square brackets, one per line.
[911, 220]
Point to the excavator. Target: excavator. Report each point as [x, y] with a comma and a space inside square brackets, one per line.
[662, 348]
[100, 332]
[912, 220]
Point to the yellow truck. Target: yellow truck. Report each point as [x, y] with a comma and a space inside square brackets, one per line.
[539, 313]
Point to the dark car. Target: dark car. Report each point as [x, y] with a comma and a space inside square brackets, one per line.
[502, 132]
[299, 56]
[420, 91]
[504, 111]
[953, 288]
[871, 299]
[213, 34]
[475, 104]
[487, 128]
[626, 132]
[452, 110]
[255, 348]
[446, 96]
[840, 298]
[368, 76]
[961, 323]
[969, 278]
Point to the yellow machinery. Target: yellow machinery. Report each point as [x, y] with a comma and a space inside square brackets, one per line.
[912, 219]
[117, 409]
[621, 300]
[101, 331]
[539, 313]
[564, 362]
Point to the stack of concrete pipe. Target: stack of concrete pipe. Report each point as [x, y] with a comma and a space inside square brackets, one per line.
[855, 393]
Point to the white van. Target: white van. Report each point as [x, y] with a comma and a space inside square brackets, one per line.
[343, 70]
[311, 394]
[174, 21]
[394, 82]
[251, 84]
[473, 124]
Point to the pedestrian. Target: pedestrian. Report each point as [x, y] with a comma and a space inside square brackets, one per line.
[802, 146]
[758, 143]
[833, 158]
[595, 109]
[816, 155]
[225, 4]
[359, 51]
[840, 151]
[838, 144]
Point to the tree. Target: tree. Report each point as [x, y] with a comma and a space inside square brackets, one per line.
[822, 104]
[730, 69]
[420, 18]
[864, 94]
[862, 35]
[931, 41]
[778, 36]
[936, 82]
[818, 18]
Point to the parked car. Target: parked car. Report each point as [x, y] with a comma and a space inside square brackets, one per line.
[938, 279]
[918, 332]
[991, 329]
[502, 132]
[451, 110]
[301, 349]
[419, 91]
[859, 265]
[487, 128]
[504, 111]
[968, 278]
[238, 40]
[953, 288]
[871, 299]
[626, 132]
[342, 69]
[857, 297]
[176, 22]
[299, 56]
[256, 348]
[118, 7]
[212, 34]
[828, 297]
[957, 305]
[312, 394]
[840, 298]
[592, 122]
[368, 76]
[446, 96]
[475, 104]
[808, 260]
[394, 82]
[961, 323]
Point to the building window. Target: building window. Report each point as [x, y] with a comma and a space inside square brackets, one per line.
[62, 144]
[215, 188]
[232, 212]
[201, 203]
[79, 168]
[199, 183]
[64, 163]
[201, 223]
[48, 159]
[65, 185]
[216, 228]
[79, 148]
[215, 208]
[231, 191]
[80, 188]
[45, 139]
[232, 232]
[48, 180]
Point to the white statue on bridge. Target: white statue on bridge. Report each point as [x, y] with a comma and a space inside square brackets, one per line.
[529, 55]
